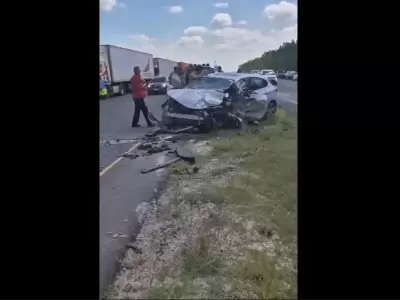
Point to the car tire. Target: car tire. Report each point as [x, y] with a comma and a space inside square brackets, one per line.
[271, 110]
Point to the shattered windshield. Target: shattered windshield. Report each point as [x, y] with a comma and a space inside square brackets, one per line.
[210, 83]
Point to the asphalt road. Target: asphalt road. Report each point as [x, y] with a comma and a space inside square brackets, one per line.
[122, 186]
[288, 95]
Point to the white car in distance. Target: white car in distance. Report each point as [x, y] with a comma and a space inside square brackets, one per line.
[271, 75]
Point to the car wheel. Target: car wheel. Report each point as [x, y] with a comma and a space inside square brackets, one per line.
[271, 110]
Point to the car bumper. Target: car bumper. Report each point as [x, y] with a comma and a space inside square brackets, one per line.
[169, 118]
[161, 90]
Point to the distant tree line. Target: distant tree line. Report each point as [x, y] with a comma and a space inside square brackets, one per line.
[284, 58]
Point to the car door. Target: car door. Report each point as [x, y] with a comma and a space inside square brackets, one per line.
[266, 89]
[259, 88]
[240, 96]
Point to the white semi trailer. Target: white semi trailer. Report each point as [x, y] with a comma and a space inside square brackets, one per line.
[116, 67]
[163, 67]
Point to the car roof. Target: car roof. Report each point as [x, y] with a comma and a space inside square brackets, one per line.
[235, 76]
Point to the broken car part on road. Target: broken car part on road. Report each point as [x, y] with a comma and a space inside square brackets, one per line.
[118, 141]
[152, 145]
[182, 152]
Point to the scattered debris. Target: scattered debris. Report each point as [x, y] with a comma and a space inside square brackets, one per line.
[119, 235]
[192, 170]
[151, 144]
[157, 149]
[160, 166]
[161, 128]
[129, 155]
[182, 152]
[185, 153]
[144, 146]
[134, 247]
[118, 141]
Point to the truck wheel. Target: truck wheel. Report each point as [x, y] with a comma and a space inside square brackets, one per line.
[122, 89]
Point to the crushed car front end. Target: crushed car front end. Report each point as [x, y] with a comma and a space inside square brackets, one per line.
[176, 115]
[211, 111]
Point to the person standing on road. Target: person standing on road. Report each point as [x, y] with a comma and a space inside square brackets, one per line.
[138, 95]
[103, 89]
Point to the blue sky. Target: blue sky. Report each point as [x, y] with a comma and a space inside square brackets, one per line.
[229, 32]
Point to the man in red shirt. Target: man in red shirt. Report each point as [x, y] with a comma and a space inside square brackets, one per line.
[138, 94]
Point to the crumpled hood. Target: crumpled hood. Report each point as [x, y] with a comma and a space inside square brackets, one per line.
[196, 99]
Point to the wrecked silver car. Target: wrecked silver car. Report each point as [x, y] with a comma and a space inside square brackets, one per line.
[219, 100]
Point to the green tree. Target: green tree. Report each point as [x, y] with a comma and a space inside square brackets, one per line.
[284, 58]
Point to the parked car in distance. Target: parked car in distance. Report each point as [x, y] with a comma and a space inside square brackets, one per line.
[270, 74]
[158, 85]
[289, 74]
[280, 74]
[255, 72]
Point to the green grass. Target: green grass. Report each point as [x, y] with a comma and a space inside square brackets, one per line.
[266, 192]
[262, 187]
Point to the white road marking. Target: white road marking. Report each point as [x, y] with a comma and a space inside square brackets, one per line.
[286, 98]
[110, 166]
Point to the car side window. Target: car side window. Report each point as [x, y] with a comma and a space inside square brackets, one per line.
[258, 83]
[241, 84]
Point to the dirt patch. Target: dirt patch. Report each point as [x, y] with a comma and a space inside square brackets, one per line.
[228, 230]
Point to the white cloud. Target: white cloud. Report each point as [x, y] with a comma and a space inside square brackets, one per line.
[221, 5]
[227, 44]
[121, 5]
[141, 38]
[281, 10]
[195, 30]
[175, 9]
[223, 47]
[287, 33]
[191, 41]
[222, 20]
[107, 5]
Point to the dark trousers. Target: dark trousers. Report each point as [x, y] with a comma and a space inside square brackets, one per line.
[140, 106]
